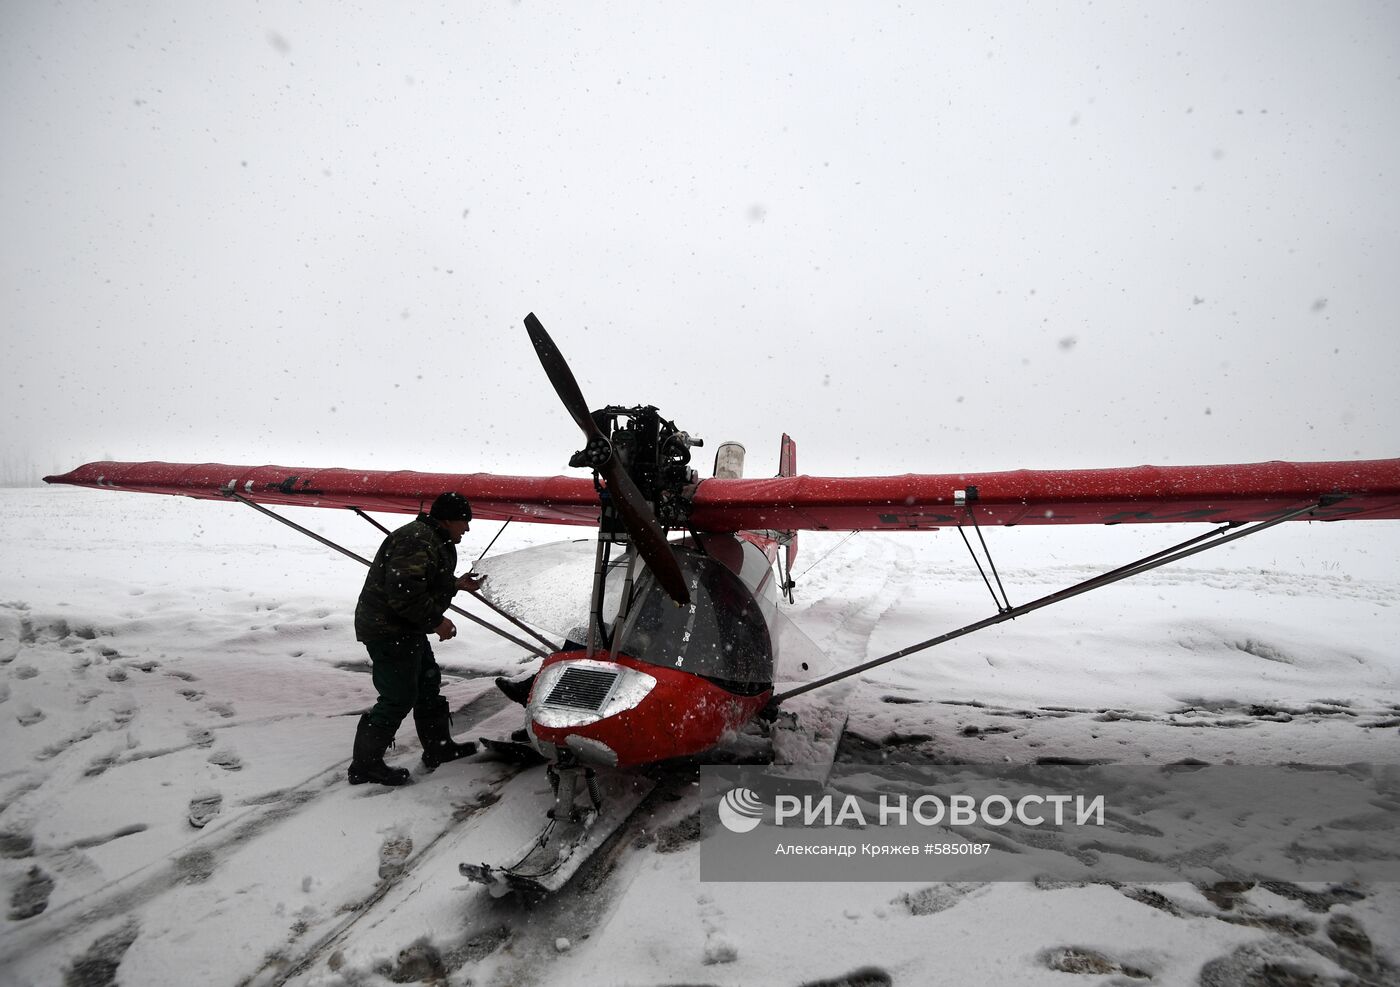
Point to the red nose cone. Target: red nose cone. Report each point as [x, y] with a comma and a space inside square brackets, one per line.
[616, 710]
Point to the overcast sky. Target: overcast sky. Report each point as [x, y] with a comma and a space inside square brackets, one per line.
[920, 238]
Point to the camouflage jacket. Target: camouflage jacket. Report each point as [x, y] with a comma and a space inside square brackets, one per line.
[410, 583]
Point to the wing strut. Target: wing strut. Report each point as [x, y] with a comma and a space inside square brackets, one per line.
[365, 562]
[1003, 602]
[489, 605]
[1175, 553]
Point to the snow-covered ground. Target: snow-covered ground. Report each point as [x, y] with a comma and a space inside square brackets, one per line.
[163, 661]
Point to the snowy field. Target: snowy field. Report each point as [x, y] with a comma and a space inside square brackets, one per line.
[167, 662]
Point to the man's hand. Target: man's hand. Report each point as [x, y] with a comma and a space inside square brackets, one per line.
[447, 630]
[471, 581]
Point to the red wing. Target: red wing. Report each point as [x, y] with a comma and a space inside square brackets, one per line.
[551, 499]
[1252, 492]
[1369, 489]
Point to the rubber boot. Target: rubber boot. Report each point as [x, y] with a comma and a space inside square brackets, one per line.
[516, 692]
[367, 764]
[434, 729]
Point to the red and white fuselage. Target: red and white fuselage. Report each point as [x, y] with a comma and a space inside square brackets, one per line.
[675, 680]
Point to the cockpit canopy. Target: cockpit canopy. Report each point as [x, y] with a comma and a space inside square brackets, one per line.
[721, 635]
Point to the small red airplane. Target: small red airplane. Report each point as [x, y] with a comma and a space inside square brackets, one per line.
[682, 654]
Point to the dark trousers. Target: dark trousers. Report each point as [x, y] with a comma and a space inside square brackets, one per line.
[406, 676]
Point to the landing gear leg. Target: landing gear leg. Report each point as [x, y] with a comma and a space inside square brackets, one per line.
[565, 776]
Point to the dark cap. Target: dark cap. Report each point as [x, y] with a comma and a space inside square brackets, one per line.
[451, 507]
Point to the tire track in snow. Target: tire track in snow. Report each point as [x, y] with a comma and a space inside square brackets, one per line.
[399, 862]
[194, 861]
[855, 615]
[129, 891]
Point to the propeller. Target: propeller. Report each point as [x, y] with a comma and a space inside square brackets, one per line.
[636, 513]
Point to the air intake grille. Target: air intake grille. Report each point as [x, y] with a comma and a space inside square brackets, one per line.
[582, 688]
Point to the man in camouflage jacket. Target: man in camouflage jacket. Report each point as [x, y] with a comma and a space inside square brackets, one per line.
[405, 598]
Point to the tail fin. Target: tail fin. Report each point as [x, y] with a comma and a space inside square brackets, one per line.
[787, 456]
[787, 466]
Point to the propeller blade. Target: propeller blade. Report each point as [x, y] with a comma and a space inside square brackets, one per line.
[636, 513]
[646, 533]
[560, 376]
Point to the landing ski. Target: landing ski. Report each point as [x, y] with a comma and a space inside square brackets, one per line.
[570, 837]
